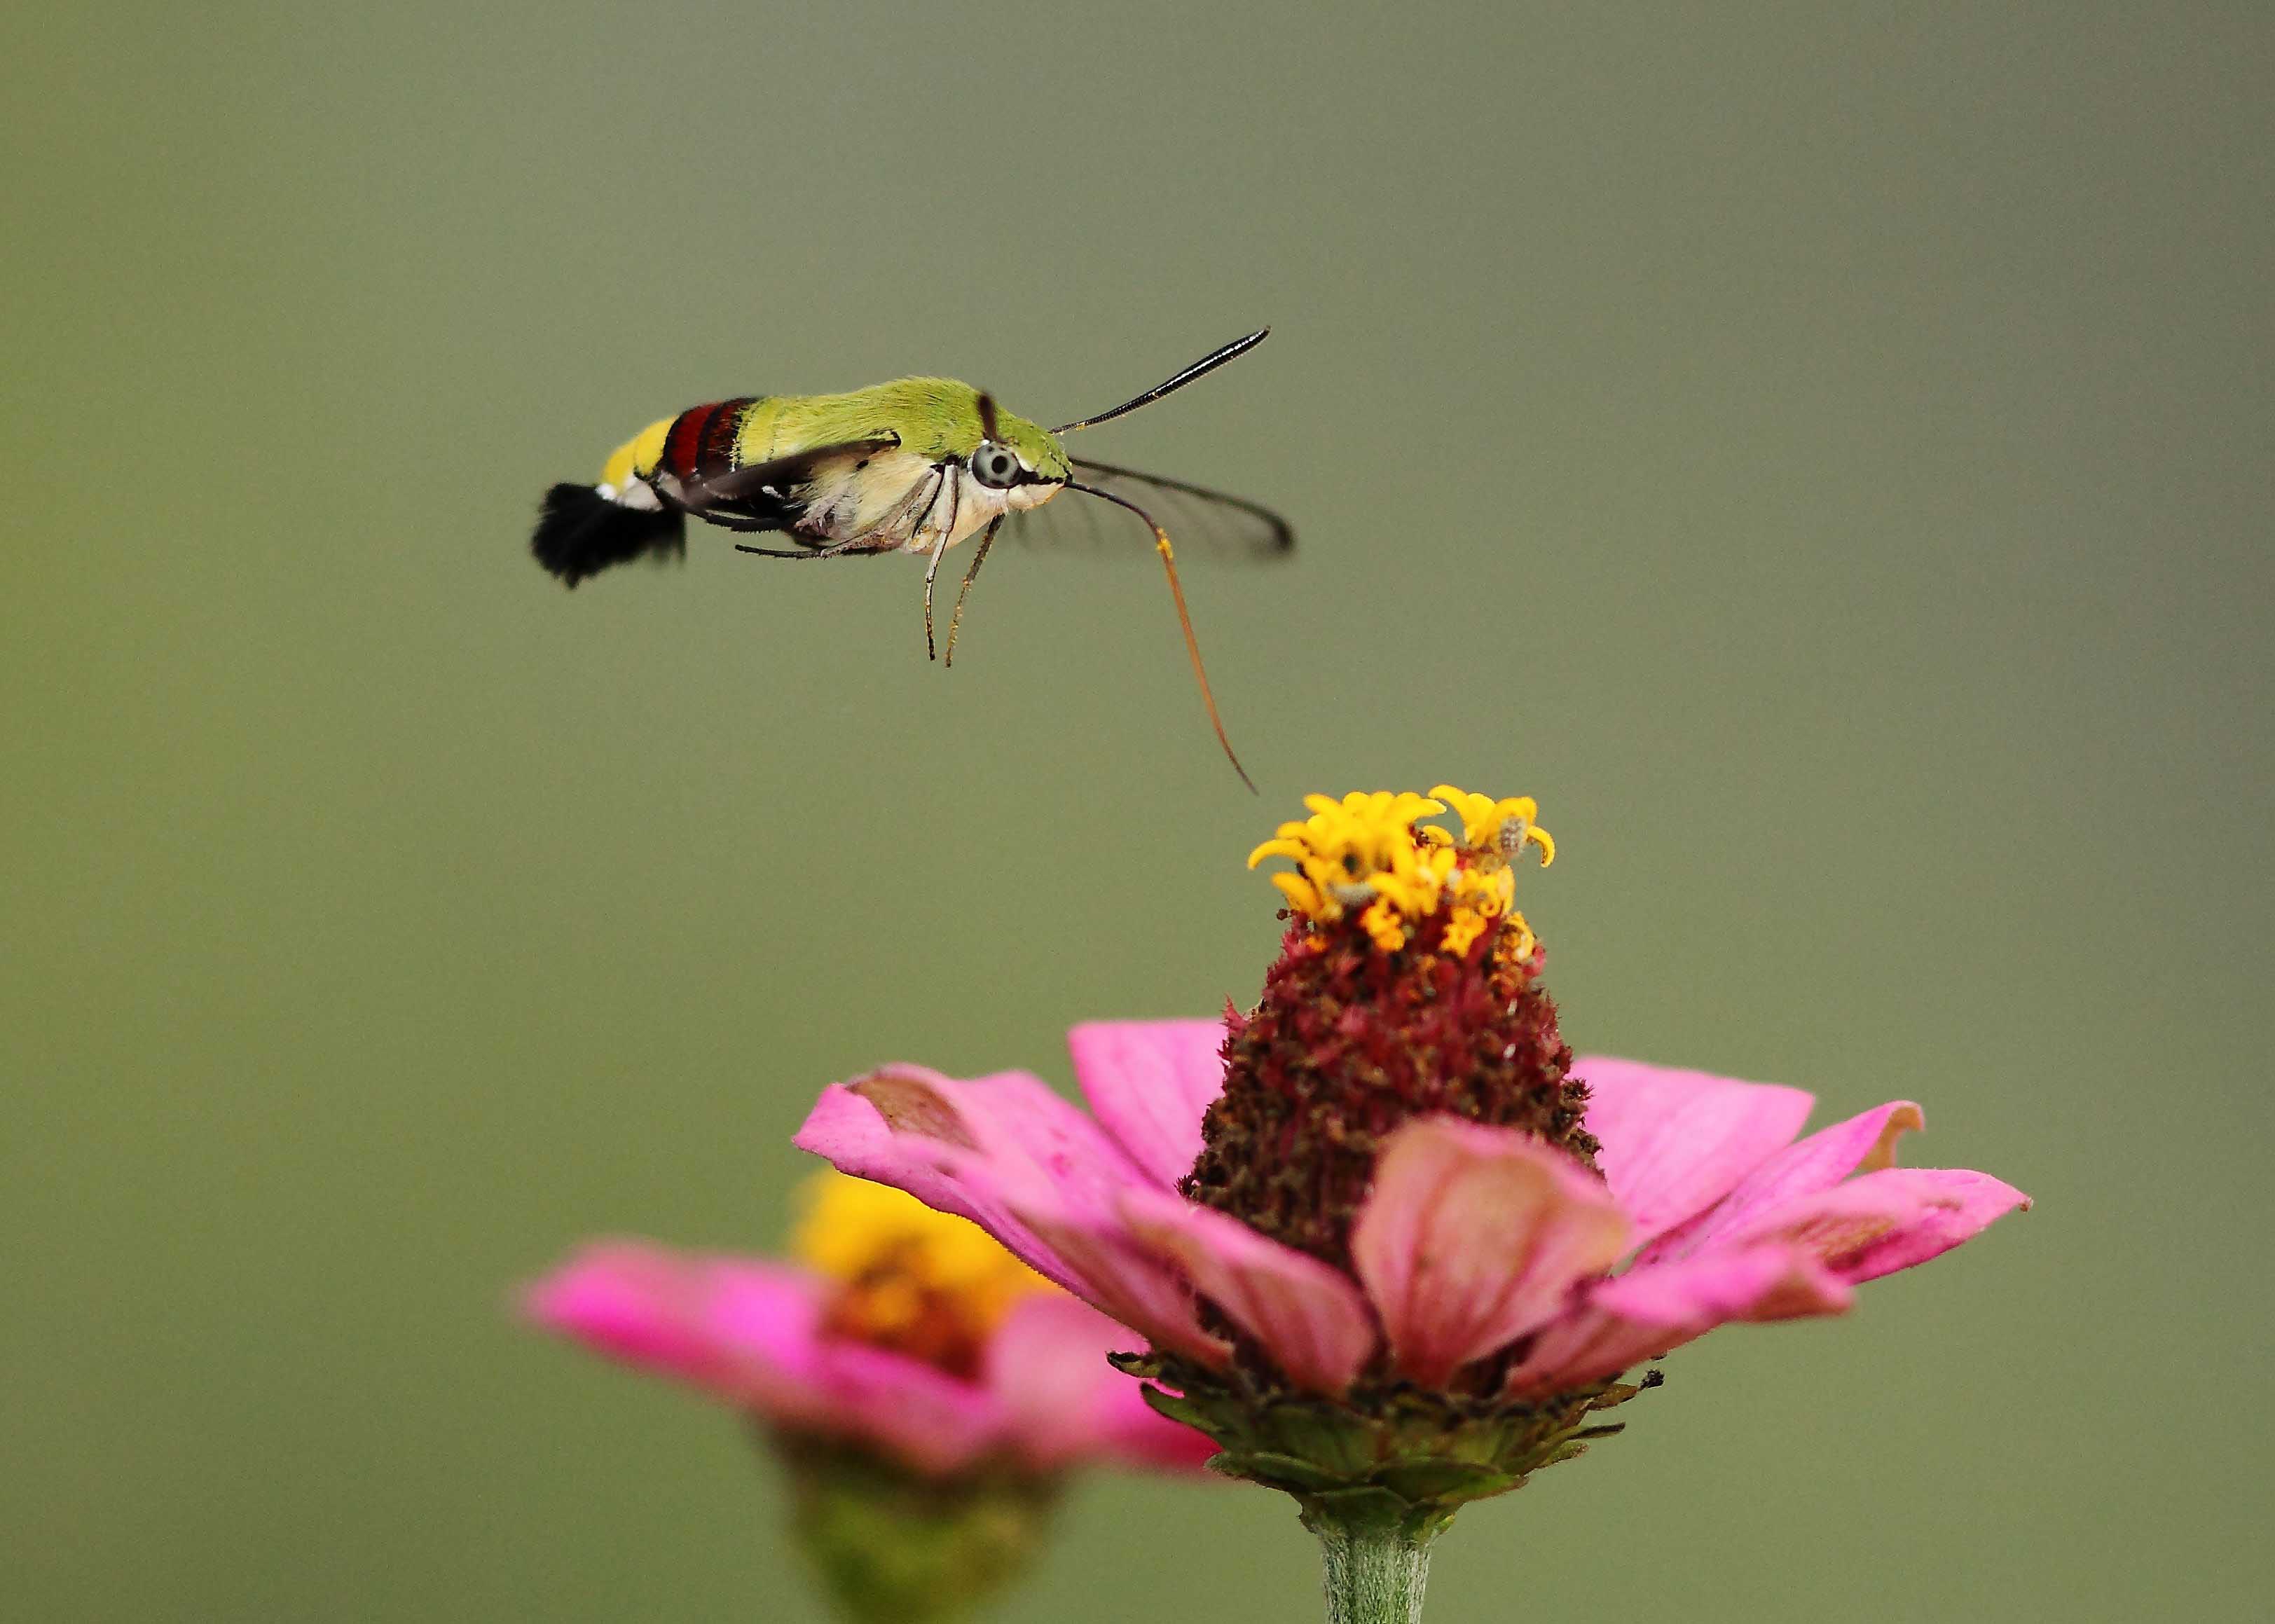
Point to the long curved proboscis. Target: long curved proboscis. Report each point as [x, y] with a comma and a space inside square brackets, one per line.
[1207, 364]
[1177, 592]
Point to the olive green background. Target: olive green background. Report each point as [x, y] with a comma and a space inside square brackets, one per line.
[1822, 452]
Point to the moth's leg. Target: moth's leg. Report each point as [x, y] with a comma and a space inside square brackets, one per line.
[858, 544]
[889, 534]
[877, 539]
[978, 557]
[885, 536]
[940, 550]
[905, 519]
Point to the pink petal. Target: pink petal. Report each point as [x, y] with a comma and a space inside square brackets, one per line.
[1060, 1401]
[1026, 1166]
[747, 1332]
[1652, 1309]
[1866, 1143]
[1884, 1221]
[1472, 1236]
[1131, 1282]
[979, 1149]
[1676, 1142]
[925, 1416]
[1308, 1315]
[738, 1329]
[1149, 1082]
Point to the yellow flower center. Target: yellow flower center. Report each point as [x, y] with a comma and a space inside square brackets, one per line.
[919, 1282]
[1373, 855]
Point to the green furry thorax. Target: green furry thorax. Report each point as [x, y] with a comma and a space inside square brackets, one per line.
[936, 419]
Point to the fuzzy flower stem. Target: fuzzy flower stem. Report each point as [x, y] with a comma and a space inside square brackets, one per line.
[1375, 1566]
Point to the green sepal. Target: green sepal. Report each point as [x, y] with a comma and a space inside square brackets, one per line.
[891, 1545]
[1282, 1470]
[1452, 1482]
[1390, 1456]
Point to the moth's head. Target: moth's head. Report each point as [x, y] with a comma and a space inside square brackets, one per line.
[1015, 454]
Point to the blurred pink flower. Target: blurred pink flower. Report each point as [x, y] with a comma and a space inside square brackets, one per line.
[921, 1350]
[1472, 1240]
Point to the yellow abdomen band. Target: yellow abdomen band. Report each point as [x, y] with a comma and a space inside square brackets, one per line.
[637, 457]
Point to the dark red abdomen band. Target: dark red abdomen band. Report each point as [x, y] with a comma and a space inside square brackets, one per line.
[700, 443]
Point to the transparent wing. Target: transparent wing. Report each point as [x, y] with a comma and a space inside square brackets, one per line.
[1204, 525]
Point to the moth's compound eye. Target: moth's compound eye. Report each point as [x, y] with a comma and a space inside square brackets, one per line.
[994, 466]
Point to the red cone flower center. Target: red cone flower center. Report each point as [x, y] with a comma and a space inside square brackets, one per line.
[1407, 985]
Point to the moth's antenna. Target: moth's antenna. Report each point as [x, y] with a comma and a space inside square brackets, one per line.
[988, 414]
[1169, 563]
[1207, 364]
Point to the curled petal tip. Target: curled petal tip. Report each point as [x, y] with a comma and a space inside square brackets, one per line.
[1904, 1117]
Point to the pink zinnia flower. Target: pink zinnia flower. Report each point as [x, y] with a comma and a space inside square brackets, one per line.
[1473, 1240]
[899, 1329]
[1390, 1243]
[928, 1391]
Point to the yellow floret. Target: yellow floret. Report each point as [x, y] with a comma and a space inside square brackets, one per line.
[1382, 922]
[1371, 854]
[1504, 826]
[1464, 926]
[911, 1278]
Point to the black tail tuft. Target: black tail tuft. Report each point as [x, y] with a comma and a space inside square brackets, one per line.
[581, 533]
